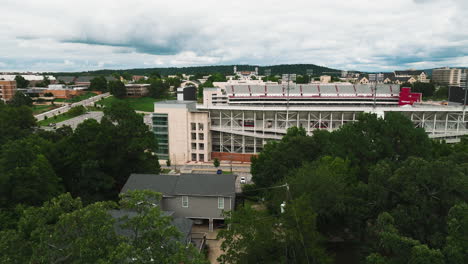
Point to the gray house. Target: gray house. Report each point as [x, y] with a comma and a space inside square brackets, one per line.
[193, 196]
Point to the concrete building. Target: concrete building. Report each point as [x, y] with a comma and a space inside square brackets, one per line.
[191, 196]
[7, 90]
[137, 90]
[447, 76]
[235, 122]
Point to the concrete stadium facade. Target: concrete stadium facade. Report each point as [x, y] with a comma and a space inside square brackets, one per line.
[237, 130]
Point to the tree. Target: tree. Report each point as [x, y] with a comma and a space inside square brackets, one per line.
[216, 162]
[20, 99]
[158, 88]
[26, 176]
[65, 231]
[21, 82]
[456, 248]
[98, 84]
[76, 111]
[117, 88]
[15, 122]
[257, 237]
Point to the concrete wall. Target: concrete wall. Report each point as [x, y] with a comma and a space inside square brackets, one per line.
[180, 118]
[198, 206]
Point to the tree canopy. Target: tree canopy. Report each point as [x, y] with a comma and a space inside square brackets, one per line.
[378, 184]
[64, 230]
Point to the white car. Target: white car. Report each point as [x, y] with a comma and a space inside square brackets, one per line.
[242, 180]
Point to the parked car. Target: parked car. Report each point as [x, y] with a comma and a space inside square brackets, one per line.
[242, 180]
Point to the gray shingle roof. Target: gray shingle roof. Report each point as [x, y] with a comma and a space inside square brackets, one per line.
[185, 184]
[206, 184]
[159, 183]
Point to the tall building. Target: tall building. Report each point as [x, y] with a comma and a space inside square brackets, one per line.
[235, 122]
[447, 76]
[7, 90]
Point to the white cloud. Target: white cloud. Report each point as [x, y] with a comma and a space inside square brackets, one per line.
[354, 34]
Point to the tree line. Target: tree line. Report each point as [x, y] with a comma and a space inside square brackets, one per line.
[378, 188]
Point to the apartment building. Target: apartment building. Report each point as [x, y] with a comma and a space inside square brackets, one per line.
[7, 90]
[447, 76]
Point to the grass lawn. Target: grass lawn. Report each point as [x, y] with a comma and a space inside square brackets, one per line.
[80, 97]
[145, 104]
[56, 119]
[38, 109]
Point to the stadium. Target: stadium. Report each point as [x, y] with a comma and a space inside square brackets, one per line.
[234, 122]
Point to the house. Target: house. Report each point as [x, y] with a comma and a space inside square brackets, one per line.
[363, 80]
[202, 197]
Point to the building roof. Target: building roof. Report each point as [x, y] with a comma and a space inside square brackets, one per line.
[184, 184]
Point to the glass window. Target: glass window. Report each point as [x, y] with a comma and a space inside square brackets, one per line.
[194, 126]
[194, 157]
[194, 136]
[220, 202]
[202, 157]
[201, 146]
[200, 126]
[194, 146]
[201, 136]
[185, 201]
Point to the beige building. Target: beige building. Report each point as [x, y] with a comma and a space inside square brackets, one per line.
[7, 90]
[171, 122]
[447, 76]
[325, 79]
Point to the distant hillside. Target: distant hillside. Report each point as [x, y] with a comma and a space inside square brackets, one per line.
[225, 69]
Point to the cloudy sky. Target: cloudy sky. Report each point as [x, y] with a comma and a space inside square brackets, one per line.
[374, 35]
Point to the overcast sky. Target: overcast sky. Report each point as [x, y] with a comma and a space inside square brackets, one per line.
[370, 35]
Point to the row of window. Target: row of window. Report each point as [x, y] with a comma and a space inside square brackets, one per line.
[201, 146]
[194, 126]
[201, 157]
[185, 202]
[201, 136]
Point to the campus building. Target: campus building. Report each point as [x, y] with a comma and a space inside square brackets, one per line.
[7, 90]
[447, 76]
[235, 122]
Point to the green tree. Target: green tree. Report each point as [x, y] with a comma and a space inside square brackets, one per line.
[21, 82]
[117, 88]
[216, 162]
[158, 88]
[20, 99]
[98, 84]
[26, 176]
[76, 111]
[15, 122]
[65, 231]
[456, 248]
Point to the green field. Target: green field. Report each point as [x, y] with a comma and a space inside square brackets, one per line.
[38, 109]
[145, 104]
[80, 97]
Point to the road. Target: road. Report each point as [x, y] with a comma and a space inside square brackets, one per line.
[64, 109]
[74, 122]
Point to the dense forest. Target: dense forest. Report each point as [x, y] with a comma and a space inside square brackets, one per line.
[224, 69]
[377, 191]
